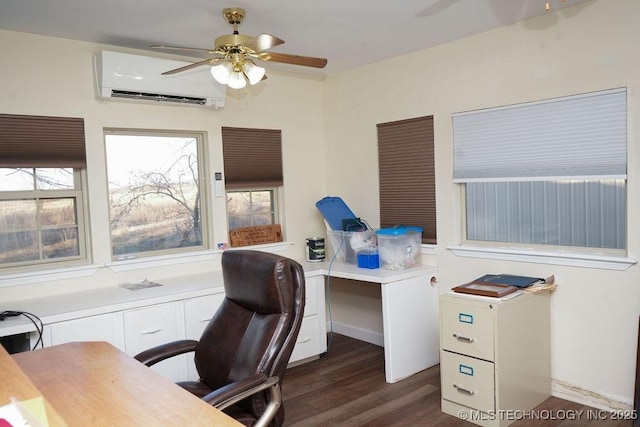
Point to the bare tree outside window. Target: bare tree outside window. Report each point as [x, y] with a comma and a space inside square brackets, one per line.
[154, 193]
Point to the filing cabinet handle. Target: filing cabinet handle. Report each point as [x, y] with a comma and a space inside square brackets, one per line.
[461, 338]
[155, 331]
[464, 390]
[303, 340]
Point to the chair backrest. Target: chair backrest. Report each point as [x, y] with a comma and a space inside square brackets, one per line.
[256, 327]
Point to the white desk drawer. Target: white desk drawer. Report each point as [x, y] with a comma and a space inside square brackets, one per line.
[467, 381]
[308, 341]
[467, 328]
[311, 291]
[151, 326]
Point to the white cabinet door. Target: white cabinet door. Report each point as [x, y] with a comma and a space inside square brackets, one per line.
[197, 313]
[104, 327]
[152, 326]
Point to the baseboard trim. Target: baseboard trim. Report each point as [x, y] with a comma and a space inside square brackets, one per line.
[365, 335]
[574, 393]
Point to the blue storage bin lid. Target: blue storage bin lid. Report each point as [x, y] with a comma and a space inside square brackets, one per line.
[334, 210]
[396, 231]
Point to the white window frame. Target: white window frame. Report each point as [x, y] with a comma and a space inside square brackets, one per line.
[275, 201]
[163, 254]
[79, 194]
[474, 164]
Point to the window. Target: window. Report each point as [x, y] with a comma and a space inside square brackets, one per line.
[251, 208]
[407, 175]
[551, 172]
[253, 175]
[40, 215]
[42, 209]
[155, 192]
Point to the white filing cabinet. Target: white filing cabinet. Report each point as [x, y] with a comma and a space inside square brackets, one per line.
[495, 356]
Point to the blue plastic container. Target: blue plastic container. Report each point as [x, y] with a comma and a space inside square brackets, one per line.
[368, 258]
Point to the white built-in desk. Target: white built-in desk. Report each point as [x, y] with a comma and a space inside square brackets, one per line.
[409, 313]
[181, 307]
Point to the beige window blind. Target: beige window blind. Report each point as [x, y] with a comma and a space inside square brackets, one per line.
[252, 157]
[42, 141]
[407, 175]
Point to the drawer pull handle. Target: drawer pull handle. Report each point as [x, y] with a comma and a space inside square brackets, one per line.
[464, 390]
[155, 331]
[462, 338]
[205, 320]
[304, 340]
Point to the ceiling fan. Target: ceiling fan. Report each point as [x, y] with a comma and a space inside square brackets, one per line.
[234, 54]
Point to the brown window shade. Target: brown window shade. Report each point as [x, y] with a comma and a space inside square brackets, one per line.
[252, 157]
[407, 175]
[41, 141]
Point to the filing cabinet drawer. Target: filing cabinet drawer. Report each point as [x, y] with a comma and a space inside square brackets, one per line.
[468, 327]
[468, 381]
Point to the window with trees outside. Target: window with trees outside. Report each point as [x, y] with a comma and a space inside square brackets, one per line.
[251, 208]
[550, 172]
[42, 191]
[155, 192]
[40, 216]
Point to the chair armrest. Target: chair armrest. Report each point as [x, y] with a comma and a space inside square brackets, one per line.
[237, 391]
[221, 396]
[161, 352]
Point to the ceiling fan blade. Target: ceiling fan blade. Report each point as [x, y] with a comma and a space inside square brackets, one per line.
[161, 46]
[306, 61]
[194, 65]
[264, 42]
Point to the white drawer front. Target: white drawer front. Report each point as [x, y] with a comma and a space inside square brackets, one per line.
[148, 327]
[308, 342]
[104, 327]
[467, 329]
[198, 312]
[311, 291]
[467, 381]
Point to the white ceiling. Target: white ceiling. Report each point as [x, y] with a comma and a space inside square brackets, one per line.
[349, 33]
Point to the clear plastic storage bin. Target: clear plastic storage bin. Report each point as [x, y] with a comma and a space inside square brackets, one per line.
[399, 247]
[345, 245]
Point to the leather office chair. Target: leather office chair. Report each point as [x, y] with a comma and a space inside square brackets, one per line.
[243, 352]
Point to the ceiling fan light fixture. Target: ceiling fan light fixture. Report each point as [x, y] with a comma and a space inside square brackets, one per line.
[236, 80]
[222, 72]
[253, 72]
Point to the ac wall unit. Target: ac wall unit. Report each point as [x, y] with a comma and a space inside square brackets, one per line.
[122, 75]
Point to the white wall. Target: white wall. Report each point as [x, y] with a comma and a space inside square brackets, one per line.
[49, 76]
[581, 49]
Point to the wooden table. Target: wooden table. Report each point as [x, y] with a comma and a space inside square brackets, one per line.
[14, 384]
[95, 384]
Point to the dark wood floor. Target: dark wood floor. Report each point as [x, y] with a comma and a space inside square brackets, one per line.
[346, 387]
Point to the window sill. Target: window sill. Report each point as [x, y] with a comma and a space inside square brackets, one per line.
[186, 257]
[72, 272]
[429, 249]
[36, 276]
[539, 257]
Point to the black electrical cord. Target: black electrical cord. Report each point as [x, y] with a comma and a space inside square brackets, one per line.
[37, 322]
